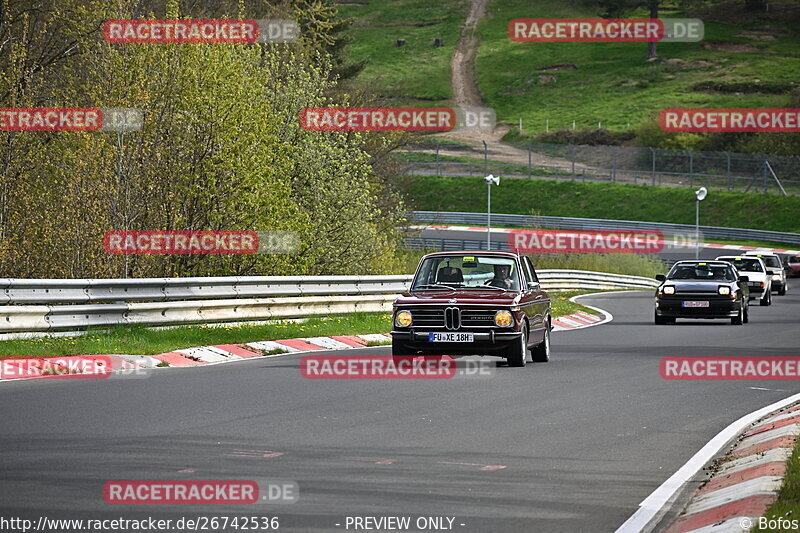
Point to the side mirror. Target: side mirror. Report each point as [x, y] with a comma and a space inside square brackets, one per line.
[533, 285]
[744, 278]
[661, 277]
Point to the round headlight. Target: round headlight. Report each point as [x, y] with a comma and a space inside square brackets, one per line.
[403, 319]
[776, 277]
[503, 318]
[725, 291]
[669, 289]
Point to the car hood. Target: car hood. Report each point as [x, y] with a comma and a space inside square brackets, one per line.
[466, 297]
[696, 285]
[754, 276]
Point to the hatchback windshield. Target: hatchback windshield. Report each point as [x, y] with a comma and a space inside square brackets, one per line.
[702, 271]
[745, 264]
[467, 271]
[771, 260]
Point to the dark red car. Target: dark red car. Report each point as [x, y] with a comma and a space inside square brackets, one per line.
[793, 266]
[474, 303]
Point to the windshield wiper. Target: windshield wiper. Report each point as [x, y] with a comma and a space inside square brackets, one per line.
[491, 287]
[434, 286]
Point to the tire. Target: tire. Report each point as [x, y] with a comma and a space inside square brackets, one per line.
[782, 291]
[738, 320]
[767, 299]
[541, 352]
[746, 313]
[518, 352]
[660, 320]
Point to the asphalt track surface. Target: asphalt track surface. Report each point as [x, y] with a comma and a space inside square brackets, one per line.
[582, 439]
[668, 253]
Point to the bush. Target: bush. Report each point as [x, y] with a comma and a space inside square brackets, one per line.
[591, 137]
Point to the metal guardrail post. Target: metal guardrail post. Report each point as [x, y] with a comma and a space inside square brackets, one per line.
[653, 154]
[728, 170]
[529, 161]
[572, 154]
[613, 164]
[438, 167]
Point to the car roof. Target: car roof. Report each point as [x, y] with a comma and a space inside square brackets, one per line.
[474, 252]
[739, 257]
[751, 253]
[713, 262]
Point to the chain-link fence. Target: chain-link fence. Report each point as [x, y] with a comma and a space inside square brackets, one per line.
[758, 173]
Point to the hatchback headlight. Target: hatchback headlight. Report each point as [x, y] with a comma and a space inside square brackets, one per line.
[503, 318]
[776, 277]
[403, 319]
[724, 291]
[669, 289]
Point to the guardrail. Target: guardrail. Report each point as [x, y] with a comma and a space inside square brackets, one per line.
[72, 304]
[529, 221]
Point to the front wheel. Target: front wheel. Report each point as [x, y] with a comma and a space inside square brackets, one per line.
[738, 320]
[541, 352]
[767, 299]
[518, 352]
[782, 291]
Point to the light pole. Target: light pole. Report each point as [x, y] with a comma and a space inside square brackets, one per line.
[700, 194]
[489, 180]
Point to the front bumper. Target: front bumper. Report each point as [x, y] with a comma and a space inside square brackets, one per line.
[484, 342]
[716, 309]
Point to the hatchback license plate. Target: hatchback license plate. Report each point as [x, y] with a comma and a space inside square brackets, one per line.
[450, 337]
[695, 304]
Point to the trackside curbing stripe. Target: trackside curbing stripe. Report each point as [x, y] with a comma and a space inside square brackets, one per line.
[654, 505]
[269, 346]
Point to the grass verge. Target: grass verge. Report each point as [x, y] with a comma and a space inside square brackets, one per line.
[144, 341]
[787, 506]
[604, 200]
[562, 306]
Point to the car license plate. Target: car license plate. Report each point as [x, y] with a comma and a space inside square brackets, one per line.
[695, 304]
[450, 337]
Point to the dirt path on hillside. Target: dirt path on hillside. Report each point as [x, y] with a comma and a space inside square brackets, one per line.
[465, 94]
[462, 64]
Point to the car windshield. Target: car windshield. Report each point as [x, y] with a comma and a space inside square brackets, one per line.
[770, 260]
[467, 271]
[702, 271]
[744, 264]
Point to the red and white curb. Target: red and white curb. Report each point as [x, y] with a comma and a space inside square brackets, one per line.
[744, 483]
[514, 230]
[577, 320]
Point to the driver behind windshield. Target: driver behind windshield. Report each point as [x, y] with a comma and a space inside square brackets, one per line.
[502, 277]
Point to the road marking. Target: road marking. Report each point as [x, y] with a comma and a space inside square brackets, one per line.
[483, 467]
[255, 453]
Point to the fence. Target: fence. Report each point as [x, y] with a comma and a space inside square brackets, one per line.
[729, 171]
[69, 304]
[709, 232]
